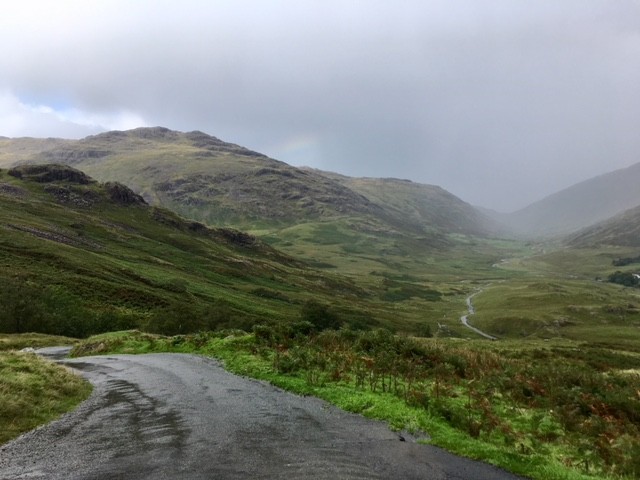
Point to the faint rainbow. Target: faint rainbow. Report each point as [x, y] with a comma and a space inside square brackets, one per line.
[302, 144]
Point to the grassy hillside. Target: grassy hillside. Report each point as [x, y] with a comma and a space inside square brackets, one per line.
[100, 257]
[96, 257]
[79, 257]
[380, 251]
[199, 175]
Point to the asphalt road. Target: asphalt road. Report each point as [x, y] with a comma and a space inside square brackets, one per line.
[165, 416]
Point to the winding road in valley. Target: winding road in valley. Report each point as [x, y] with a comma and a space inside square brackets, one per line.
[465, 318]
[174, 416]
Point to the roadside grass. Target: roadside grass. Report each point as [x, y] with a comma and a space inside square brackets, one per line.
[547, 410]
[34, 391]
[33, 340]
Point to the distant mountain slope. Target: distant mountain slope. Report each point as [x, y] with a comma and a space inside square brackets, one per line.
[219, 183]
[581, 205]
[622, 230]
[419, 204]
[14, 150]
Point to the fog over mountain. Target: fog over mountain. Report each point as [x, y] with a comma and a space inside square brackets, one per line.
[621, 230]
[580, 205]
[500, 102]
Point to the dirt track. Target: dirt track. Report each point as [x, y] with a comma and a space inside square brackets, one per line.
[165, 416]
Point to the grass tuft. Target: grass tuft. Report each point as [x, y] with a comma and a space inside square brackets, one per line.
[34, 391]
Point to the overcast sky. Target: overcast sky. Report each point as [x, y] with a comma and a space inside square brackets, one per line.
[500, 102]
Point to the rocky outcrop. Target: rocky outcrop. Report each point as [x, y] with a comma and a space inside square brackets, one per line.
[209, 142]
[236, 237]
[50, 173]
[122, 194]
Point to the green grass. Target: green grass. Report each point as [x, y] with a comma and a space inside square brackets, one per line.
[34, 391]
[124, 266]
[106, 266]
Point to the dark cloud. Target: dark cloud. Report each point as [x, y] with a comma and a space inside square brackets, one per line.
[501, 102]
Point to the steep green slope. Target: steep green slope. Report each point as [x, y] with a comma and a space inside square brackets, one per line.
[100, 257]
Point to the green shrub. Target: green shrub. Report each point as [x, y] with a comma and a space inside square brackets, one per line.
[321, 316]
[627, 279]
[28, 307]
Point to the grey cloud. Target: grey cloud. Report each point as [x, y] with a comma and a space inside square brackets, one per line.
[500, 102]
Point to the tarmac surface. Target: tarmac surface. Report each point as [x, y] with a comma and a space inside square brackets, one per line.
[173, 416]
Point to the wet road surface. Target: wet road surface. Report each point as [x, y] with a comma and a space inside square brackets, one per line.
[170, 416]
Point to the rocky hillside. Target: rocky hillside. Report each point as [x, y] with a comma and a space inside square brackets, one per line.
[204, 178]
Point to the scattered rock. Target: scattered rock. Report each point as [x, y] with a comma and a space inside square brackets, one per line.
[154, 133]
[9, 190]
[78, 198]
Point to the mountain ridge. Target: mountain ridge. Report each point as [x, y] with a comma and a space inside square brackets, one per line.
[204, 178]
